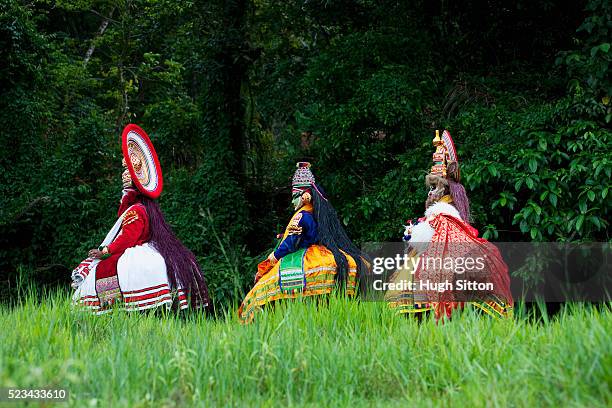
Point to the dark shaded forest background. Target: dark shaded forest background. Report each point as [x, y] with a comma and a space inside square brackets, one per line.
[234, 92]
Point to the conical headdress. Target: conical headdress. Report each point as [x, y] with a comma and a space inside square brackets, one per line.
[446, 163]
[303, 175]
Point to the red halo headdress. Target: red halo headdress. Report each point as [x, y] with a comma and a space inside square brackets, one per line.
[142, 161]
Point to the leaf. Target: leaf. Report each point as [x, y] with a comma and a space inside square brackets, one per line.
[493, 170]
[595, 221]
[538, 209]
[579, 221]
[534, 232]
[542, 144]
[553, 199]
[591, 195]
[582, 206]
[533, 165]
[529, 183]
[518, 184]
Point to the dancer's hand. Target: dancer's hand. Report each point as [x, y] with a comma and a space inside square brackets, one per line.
[272, 258]
[258, 276]
[95, 253]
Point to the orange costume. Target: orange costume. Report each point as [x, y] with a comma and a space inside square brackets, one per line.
[312, 261]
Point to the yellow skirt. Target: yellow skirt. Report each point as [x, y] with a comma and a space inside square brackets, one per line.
[320, 274]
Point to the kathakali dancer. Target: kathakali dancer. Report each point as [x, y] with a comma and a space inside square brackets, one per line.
[440, 243]
[314, 256]
[141, 264]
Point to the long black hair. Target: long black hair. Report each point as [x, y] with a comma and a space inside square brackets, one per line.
[333, 236]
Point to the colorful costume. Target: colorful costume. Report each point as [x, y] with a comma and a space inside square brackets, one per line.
[312, 258]
[140, 264]
[445, 234]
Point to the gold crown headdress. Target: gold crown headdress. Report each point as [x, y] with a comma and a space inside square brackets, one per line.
[445, 157]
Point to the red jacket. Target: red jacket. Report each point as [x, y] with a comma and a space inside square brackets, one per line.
[134, 231]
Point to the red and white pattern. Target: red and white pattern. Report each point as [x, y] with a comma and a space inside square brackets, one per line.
[143, 281]
[138, 149]
[445, 235]
[81, 271]
[448, 141]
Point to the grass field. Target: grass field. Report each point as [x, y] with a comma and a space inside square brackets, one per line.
[343, 353]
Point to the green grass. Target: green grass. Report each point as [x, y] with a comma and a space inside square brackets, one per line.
[341, 353]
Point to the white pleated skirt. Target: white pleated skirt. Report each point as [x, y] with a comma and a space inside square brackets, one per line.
[143, 282]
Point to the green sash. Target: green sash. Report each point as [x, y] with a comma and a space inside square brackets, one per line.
[291, 276]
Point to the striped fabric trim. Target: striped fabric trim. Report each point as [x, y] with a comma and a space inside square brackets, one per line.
[147, 300]
[495, 308]
[274, 279]
[410, 307]
[314, 281]
[291, 275]
[492, 308]
[136, 300]
[147, 304]
[182, 297]
[145, 296]
[319, 281]
[152, 288]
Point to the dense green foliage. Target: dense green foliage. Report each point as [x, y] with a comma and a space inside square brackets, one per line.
[227, 88]
[343, 353]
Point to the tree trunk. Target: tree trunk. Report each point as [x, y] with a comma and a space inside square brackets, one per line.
[100, 32]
